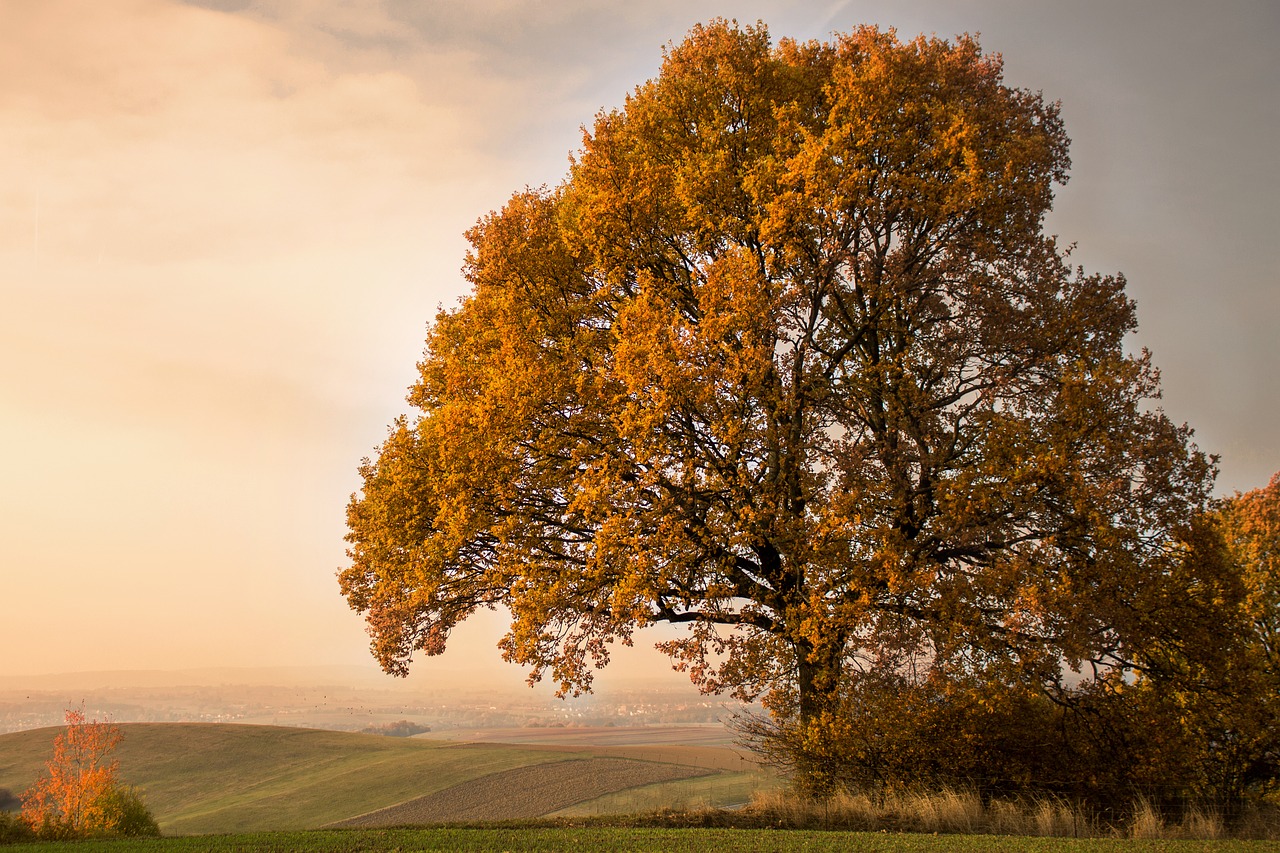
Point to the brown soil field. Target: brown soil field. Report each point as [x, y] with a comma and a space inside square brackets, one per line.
[525, 792]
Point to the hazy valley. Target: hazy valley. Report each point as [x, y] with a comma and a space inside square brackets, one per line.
[344, 699]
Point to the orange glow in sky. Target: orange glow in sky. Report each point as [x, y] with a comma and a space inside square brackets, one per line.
[224, 227]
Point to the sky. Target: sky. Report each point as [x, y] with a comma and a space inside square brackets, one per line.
[224, 226]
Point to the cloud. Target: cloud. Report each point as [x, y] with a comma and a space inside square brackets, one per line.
[173, 132]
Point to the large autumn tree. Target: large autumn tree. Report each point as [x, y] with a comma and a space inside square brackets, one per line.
[788, 360]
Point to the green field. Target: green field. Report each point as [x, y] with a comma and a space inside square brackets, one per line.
[637, 840]
[205, 778]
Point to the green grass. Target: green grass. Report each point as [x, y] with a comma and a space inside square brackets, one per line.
[637, 840]
[201, 778]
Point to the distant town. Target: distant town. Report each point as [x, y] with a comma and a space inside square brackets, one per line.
[343, 707]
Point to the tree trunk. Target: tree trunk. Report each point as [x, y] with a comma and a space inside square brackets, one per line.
[817, 686]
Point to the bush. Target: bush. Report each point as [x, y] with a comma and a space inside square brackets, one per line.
[119, 812]
[13, 829]
[403, 728]
[127, 815]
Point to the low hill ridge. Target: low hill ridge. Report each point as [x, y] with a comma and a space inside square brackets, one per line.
[214, 778]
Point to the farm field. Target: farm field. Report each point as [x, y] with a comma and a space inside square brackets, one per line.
[220, 778]
[703, 746]
[641, 841]
[720, 790]
[543, 789]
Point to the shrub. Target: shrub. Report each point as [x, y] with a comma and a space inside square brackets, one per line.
[127, 815]
[403, 728]
[13, 829]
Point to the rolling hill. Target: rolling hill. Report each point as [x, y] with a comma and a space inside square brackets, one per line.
[213, 778]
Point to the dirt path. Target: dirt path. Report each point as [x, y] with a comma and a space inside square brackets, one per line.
[526, 792]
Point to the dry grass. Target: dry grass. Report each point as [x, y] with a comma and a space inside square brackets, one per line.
[964, 812]
[1197, 823]
[1204, 825]
[1056, 817]
[947, 811]
[1258, 822]
[1146, 822]
[915, 811]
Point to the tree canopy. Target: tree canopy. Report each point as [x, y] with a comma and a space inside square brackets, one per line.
[787, 359]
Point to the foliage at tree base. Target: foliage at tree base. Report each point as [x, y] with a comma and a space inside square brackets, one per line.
[1100, 747]
[14, 829]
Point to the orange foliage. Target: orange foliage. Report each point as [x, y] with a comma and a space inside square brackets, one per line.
[72, 800]
[1251, 525]
[789, 361]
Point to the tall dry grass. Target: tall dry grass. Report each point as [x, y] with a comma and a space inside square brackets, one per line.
[1197, 823]
[1146, 822]
[1204, 825]
[919, 811]
[966, 812]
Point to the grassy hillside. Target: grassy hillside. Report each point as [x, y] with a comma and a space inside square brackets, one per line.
[200, 778]
[525, 793]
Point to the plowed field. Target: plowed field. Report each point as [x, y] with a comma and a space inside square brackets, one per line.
[525, 792]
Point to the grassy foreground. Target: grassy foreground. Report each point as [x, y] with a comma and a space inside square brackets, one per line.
[636, 840]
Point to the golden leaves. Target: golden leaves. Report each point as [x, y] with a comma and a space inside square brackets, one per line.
[786, 359]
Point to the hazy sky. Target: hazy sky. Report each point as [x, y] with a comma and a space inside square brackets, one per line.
[224, 226]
